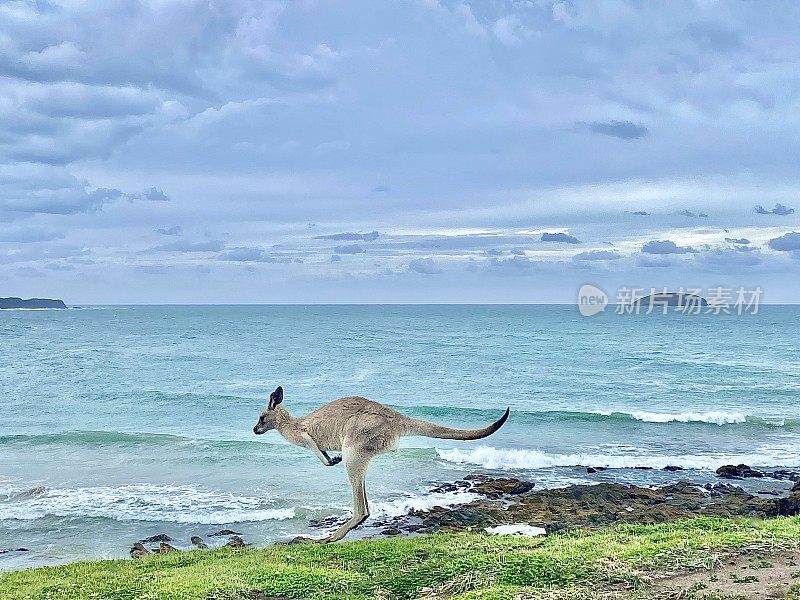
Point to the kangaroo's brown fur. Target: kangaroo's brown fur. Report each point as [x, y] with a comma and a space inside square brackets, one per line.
[359, 428]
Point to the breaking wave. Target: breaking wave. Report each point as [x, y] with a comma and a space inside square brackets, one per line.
[494, 458]
[143, 502]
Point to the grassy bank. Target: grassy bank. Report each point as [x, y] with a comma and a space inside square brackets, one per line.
[442, 565]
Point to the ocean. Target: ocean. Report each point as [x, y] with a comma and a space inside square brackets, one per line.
[124, 422]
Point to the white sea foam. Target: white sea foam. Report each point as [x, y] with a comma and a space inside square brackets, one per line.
[145, 502]
[717, 417]
[512, 458]
[522, 529]
[425, 501]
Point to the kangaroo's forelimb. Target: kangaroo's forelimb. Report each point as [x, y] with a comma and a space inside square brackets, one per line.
[308, 442]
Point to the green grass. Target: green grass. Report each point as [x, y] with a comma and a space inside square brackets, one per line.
[464, 566]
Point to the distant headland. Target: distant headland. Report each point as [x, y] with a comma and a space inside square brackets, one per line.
[31, 303]
[673, 299]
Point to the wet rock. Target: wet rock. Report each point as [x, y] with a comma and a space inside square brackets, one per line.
[165, 548]
[235, 542]
[738, 472]
[495, 488]
[643, 468]
[595, 469]
[138, 550]
[391, 531]
[224, 532]
[457, 486]
[198, 541]
[155, 539]
[785, 474]
[10, 550]
[673, 468]
[327, 522]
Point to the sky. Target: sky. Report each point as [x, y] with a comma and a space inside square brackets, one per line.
[304, 151]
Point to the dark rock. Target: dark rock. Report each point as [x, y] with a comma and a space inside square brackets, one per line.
[785, 474]
[769, 492]
[495, 488]
[10, 550]
[198, 541]
[224, 532]
[326, 522]
[161, 537]
[138, 550]
[738, 472]
[391, 531]
[31, 303]
[164, 548]
[595, 469]
[673, 468]
[235, 542]
[643, 468]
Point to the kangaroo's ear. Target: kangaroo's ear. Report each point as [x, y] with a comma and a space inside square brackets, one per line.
[275, 398]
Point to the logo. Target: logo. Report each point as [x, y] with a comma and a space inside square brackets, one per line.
[591, 300]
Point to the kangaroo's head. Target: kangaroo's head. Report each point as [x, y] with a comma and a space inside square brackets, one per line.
[267, 419]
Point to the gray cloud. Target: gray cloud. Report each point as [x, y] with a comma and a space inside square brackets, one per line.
[426, 266]
[174, 230]
[364, 237]
[779, 209]
[786, 243]
[666, 247]
[624, 130]
[26, 235]
[598, 255]
[560, 237]
[641, 213]
[187, 246]
[349, 249]
[737, 241]
[255, 255]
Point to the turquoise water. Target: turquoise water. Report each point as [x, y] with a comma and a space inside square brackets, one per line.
[123, 422]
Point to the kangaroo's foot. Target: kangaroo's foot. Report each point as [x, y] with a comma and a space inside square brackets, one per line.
[346, 528]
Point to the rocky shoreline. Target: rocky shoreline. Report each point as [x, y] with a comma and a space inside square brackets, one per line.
[507, 501]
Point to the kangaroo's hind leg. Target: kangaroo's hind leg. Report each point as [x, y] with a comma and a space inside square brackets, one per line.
[356, 462]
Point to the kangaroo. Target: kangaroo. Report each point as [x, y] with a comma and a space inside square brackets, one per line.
[359, 428]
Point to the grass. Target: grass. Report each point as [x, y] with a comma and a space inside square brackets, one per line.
[466, 566]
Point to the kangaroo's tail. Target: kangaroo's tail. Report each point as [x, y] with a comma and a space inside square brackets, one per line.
[428, 429]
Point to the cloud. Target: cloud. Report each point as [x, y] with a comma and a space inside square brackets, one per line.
[560, 237]
[779, 209]
[494, 252]
[625, 130]
[666, 247]
[349, 249]
[598, 255]
[24, 235]
[426, 266]
[246, 254]
[187, 246]
[737, 241]
[174, 230]
[517, 251]
[364, 237]
[689, 213]
[786, 243]
[38, 252]
[728, 258]
[29, 189]
[153, 194]
[641, 213]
